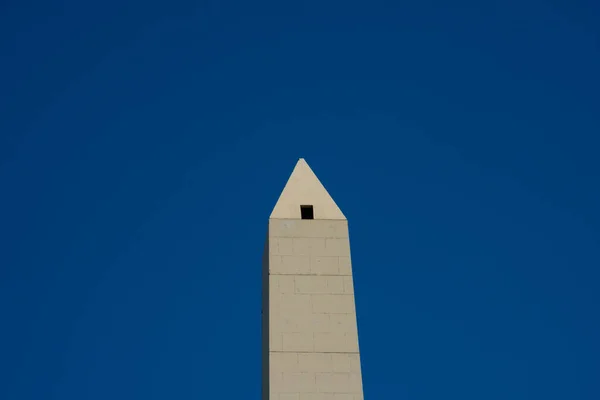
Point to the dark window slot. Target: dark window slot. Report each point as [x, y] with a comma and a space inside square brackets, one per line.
[307, 212]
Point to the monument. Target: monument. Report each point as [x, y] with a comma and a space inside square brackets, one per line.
[309, 328]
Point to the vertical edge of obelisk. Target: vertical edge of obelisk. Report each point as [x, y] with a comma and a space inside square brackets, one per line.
[265, 321]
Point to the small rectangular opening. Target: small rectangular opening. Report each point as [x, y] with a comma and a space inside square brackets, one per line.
[307, 212]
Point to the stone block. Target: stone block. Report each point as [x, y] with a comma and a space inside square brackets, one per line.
[298, 382]
[342, 323]
[275, 382]
[345, 265]
[308, 228]
[289, 304]
[333, 382]
[326, 396]
[315, 362]
[300, 323]
[343, 362]
[319, 284]
[289, 396]
[323, 265]
[343, 396]
[338, 382]
[335, 284]
[337, 247]
[310, 284]
[298, 341]
[329, 342]
[275, 341]
[280, 246]
[309, 246]
[348, 285]
[283, 362]
[281, 284]
[289, 265]
[332, 303]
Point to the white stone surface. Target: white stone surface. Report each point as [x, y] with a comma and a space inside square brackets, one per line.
[310, 335]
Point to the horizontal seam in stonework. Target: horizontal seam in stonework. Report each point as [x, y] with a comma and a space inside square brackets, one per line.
[307, 275]
[309, 237]
[304, 219]
[315, 352]
[304, 255]
[307, 255]
[325, 293]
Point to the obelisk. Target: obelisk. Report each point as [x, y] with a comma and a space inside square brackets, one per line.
[310, 336]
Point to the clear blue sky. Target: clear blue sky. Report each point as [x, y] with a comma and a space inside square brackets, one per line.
[143, 145]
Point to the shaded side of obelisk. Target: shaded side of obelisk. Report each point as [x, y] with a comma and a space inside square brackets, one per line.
[310, 335]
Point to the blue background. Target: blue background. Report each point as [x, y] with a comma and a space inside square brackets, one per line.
[143, 145]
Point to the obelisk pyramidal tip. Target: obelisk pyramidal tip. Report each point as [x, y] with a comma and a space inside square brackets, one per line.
[304, 188]
[310, 335]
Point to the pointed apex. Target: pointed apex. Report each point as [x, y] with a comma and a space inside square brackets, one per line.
[304, 189]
